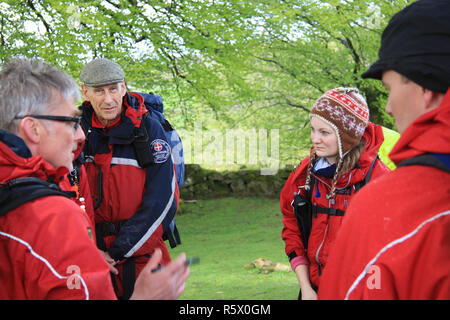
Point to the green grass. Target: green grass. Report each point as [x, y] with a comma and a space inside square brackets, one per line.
[225, 234]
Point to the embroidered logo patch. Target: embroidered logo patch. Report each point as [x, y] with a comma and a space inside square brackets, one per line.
[160, 150]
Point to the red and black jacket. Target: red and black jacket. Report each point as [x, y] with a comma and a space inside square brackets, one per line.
[139, 202]
[46, 249]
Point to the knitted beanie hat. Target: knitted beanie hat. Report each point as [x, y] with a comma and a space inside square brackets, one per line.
[346, 111]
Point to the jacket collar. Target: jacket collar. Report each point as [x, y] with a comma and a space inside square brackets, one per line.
[133, 112]
[17, 161]
[15, 143]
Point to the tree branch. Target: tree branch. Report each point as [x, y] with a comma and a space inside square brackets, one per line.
[32, 7]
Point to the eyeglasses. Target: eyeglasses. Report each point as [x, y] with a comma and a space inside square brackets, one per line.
[77, 120]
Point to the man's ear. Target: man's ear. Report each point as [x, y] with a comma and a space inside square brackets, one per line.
[30, 130]
[431, 99]
[123, 88]
[84, 90]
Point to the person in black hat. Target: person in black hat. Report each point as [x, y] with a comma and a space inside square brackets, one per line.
[130, 172]
[395, 240]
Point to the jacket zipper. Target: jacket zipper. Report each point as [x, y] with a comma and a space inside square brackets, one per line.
[318, 250]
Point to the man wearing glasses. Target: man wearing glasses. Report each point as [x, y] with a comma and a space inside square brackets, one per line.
[46, 251]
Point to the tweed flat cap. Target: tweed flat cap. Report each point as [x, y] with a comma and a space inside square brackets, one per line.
[100, 72]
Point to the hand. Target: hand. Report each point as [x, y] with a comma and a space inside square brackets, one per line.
[168, 283]
[109, 261]
[308, 293]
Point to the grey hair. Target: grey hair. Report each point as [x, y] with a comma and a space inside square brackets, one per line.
[27, 86]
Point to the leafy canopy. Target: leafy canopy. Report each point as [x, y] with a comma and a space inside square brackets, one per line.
[226, 63]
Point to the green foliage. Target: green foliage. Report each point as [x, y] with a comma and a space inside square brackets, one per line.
[226, 63]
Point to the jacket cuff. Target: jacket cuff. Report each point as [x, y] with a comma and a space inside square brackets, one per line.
[115, 254]
[295, 262]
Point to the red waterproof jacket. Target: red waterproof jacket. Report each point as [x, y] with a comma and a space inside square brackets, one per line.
[46, 249]
[135, 205]
[143, 200]
[325, 228]
[395, 240]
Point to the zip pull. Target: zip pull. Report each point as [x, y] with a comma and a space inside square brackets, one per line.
[331, 202]
[317, 189]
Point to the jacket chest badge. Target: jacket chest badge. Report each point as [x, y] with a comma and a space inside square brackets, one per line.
[160, 150]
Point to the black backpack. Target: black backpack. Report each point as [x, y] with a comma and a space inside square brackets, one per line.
[19, 191]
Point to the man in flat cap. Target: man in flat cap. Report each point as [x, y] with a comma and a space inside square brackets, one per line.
[395, 238]
[130, 172]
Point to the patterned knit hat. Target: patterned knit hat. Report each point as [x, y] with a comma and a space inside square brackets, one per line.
[346, 111]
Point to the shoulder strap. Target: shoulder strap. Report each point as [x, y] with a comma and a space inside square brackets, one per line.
[366, 180]
[369, 173]
[19, 191]
[141, 146]
[345, 191]
[440, 161]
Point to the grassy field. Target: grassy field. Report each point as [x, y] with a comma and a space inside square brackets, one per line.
[226, 234]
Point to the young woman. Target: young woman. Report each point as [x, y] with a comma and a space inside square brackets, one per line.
[343, 158]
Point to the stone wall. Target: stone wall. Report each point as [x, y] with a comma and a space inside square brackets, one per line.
[202, 184]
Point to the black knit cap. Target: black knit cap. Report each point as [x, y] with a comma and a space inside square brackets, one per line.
[416, 44]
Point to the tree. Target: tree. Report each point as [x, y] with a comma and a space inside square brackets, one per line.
[249, 63]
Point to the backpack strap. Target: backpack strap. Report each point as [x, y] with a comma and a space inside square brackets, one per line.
[304, 210]
[366, 180]
[172, 235]
[344, 191]
[141, 146]
[439, 161]
[19, 191]
[167, 126]
[329, 211]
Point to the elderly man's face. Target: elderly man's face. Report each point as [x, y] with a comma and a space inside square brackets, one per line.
[405, 102]
[106, 101]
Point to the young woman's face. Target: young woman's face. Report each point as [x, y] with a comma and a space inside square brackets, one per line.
[324, 140]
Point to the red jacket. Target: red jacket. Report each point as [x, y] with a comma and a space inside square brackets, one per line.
[143, 200]
[324, 229]
[135, 205]
[395, 240]
[46, 251]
